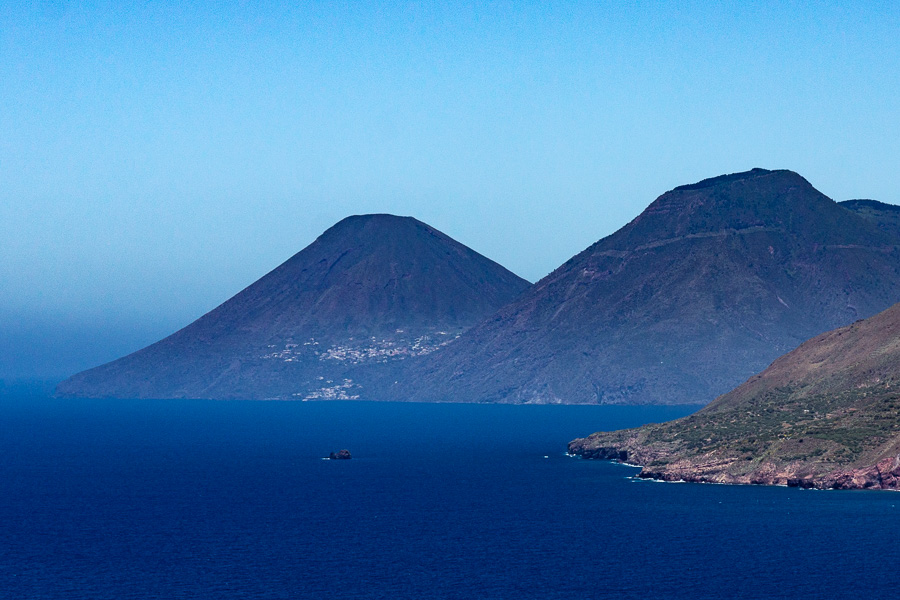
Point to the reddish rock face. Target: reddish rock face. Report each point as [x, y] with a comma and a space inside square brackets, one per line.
[883, 475]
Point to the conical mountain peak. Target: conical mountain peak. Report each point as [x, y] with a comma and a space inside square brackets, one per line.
[372, 289]
[369, 231]
[374, 273]
[370, 226]
[387, 238]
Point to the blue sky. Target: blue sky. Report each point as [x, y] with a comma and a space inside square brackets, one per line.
[156, 158]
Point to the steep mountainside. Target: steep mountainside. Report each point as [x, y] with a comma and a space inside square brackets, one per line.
[886, 216]
[368, 292]
[706, 287]
[826, 415]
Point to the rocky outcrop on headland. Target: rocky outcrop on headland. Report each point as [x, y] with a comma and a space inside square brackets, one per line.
[884, 475]
[825, 416]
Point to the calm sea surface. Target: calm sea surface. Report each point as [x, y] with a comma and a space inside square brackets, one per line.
[204, 499]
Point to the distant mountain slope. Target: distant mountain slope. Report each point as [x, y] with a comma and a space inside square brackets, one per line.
[706, 287]
[372, 289]
[826, 415]
[886, 216]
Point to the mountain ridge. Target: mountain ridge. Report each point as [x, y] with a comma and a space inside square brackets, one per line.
[702, 289]
[706, 286]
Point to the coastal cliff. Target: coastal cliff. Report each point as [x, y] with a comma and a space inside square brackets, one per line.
[826, 416]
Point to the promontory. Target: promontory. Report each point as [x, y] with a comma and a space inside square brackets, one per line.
[826, 415]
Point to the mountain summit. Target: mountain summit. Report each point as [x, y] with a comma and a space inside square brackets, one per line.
[707, 286]
[371, 290]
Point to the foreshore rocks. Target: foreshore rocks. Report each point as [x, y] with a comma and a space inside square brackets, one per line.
[884, 475]
[604, 453]
[340, 455]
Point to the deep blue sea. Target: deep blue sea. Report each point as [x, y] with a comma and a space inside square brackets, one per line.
[205, 499]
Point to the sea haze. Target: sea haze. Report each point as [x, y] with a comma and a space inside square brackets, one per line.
[187, 499]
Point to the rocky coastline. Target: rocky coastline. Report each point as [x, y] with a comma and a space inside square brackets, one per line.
[883, 475]
[825, 415]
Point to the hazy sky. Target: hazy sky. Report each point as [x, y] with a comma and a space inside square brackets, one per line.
[156, 158]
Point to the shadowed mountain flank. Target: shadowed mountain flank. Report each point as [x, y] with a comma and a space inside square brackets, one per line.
[826, 415]
[370, 291]
[704, 288]
[886, 216]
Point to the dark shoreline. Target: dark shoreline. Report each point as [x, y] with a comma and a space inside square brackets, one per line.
[869, 479]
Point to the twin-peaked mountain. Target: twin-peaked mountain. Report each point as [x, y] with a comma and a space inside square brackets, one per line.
[705, 288]
[371, 290]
